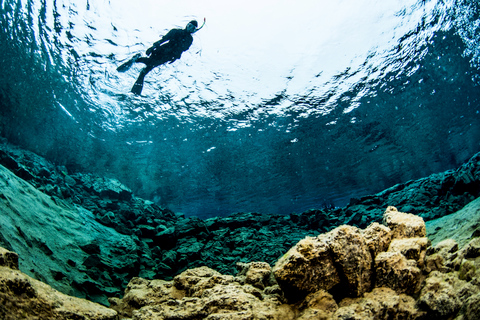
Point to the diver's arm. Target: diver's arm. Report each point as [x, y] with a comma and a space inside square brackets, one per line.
[155, 45]
[158, 43]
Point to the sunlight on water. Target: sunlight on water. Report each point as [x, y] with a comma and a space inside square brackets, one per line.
[242, 58]
[277, 106]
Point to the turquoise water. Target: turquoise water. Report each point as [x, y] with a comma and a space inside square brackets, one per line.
[276, 107]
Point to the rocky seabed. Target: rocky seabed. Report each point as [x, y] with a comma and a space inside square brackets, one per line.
[385, 271]
[73, 240]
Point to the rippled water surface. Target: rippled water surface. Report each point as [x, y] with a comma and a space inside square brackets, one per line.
[277, 107]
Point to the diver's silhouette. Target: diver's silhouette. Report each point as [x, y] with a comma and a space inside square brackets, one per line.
[168, 49]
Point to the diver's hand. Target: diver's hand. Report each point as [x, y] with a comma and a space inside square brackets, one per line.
[150, 50]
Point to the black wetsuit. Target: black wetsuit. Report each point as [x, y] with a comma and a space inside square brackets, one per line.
[167, 49]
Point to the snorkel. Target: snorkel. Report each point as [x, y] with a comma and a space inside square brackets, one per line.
[204, 19]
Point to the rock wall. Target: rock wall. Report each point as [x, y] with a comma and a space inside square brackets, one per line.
[462, 225]
[62, 244]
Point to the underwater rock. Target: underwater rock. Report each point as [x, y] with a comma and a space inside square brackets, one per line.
[62, 244]
[196, 294]
[8, 259]
[396, 272]
[306, 268]
[443, 295]
[437, 256]
[411, 248]
[462, 226]
[352, 258]
[257, 274]
[472, 308]
[404, 225]
[340, 258]
[453, 283]
[188, 226]
[381, 303]
[333, 262]
[22, 297]
[317, 305]
[104, 187]
[377, 238]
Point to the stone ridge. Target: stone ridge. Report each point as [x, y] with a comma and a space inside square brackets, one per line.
[165, 243]
[401, 277]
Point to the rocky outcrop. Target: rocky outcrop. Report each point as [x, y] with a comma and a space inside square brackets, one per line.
[330, 276]
[22, 297]
[62, 244]
[160, 244]
[341, 260]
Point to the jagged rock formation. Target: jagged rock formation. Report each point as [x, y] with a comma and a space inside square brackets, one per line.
[159, 244]
[382, 272]
[404, 278]
[62, 244]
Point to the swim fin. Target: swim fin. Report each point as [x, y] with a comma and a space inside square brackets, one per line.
[138, 86]
[124, 67]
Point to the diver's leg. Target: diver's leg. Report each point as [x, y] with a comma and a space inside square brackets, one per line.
[138, 86]
[124, 67]
[145, 60]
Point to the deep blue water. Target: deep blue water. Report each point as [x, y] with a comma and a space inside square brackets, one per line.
[274, 109]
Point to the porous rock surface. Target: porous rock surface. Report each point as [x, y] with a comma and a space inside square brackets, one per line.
[347, 273]
[330, 276]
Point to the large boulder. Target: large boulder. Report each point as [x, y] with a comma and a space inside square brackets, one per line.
[306, 268]
[352, 257]
[340, 257]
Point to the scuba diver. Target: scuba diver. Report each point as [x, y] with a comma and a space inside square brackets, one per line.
[168, 49]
